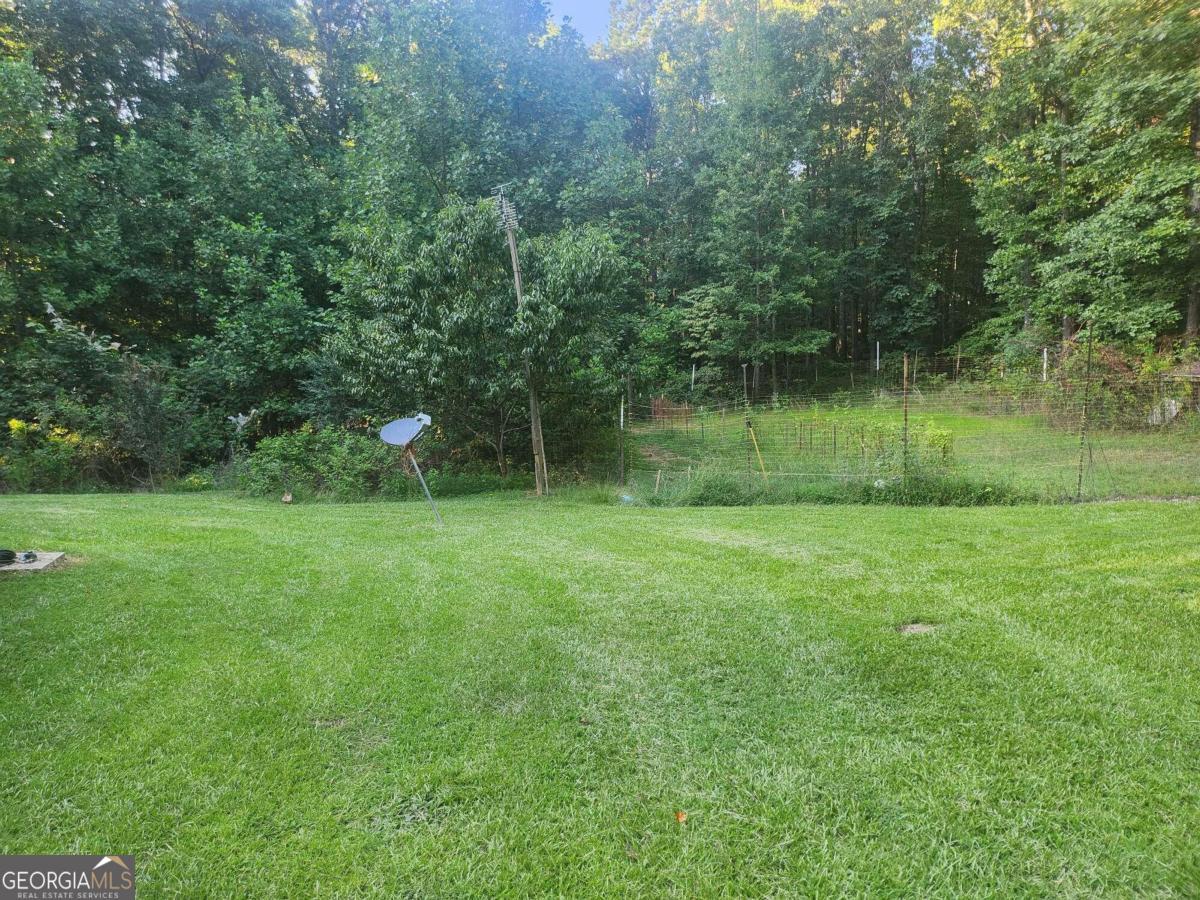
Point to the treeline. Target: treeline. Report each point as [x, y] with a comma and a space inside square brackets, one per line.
[279, 208]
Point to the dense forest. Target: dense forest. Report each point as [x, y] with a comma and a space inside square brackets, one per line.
[282, 209]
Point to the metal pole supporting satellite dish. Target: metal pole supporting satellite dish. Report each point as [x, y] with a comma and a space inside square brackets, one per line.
[428, 496]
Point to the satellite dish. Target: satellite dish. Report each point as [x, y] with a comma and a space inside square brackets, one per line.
[403, 432]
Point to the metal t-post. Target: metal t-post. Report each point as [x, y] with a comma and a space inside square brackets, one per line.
[906, 419]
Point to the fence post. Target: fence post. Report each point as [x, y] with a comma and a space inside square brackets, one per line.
[749, 461]
[1045, 362]
[621, 443]
[761, 465]
[1083, 419]
[906, 418]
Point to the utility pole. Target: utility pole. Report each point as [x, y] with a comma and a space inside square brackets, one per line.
[508, 222]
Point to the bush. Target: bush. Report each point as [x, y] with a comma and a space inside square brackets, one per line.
[194, 483]
[334, 462]
[46, 458]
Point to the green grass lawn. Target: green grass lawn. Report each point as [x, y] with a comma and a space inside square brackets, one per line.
[1024, 451]
[343, 700]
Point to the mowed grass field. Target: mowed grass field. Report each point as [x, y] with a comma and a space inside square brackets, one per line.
[342, 700]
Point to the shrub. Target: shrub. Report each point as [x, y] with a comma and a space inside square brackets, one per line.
[335, 462]
[194, 483]
[40, 457]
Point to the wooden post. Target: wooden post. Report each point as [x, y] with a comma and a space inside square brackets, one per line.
[761, 465]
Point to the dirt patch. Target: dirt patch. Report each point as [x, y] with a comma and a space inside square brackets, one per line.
[659, 455]
[917, 627]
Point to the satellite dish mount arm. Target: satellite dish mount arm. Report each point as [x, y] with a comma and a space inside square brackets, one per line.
[428, 496]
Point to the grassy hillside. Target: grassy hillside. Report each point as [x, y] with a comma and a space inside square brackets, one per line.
[267, 700]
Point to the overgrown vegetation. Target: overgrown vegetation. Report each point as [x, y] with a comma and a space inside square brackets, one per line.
[219, 208]
[334, 463]
[707, 488]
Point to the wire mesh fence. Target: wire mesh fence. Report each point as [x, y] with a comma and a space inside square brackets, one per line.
[1048, 433]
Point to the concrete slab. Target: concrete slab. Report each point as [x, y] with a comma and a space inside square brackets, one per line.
[44, 561]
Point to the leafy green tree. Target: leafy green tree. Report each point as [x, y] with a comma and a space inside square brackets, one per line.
[433, 324]
[37, 185]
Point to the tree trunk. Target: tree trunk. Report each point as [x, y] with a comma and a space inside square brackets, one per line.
[1069, 327]
[1192, 328]
[499, 445]
[774, 358]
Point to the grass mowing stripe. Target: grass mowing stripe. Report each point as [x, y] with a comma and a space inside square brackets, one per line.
[261, 699]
